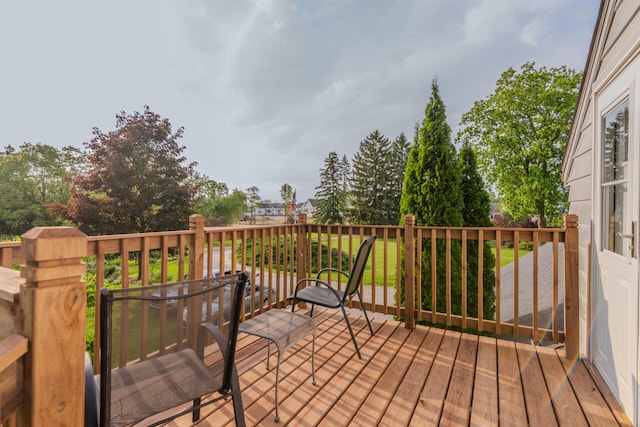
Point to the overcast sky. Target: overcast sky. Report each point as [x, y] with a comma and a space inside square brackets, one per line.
[266, 89]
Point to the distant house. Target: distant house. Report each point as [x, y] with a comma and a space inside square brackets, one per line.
[601, 167]
[278, 209]
[270, 209]
[308, 207]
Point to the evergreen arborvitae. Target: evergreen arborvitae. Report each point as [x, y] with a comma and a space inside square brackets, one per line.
[432, 193]
[369, 178]
[330, 193]
[476, 213]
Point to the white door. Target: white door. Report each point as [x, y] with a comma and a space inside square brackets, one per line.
[614, 345]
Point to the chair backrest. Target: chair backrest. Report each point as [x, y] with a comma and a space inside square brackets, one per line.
[142, 323]
[355, 276]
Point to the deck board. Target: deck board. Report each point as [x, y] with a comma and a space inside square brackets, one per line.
[431, 400]
[511, 405]
[564, 400]
[458, 401]
[593, 404]
[386, 387]
[427, 376]
[540, 411]
[484, 406]
[404, 401]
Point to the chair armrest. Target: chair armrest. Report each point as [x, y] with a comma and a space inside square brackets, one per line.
[333, 270]
[211, 329]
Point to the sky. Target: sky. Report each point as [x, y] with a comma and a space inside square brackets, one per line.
[265, 90]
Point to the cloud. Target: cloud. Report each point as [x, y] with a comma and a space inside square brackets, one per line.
[266, 89]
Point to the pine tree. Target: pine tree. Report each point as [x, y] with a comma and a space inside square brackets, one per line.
[330, 193]
[476, 213]
[396, 165]
[369, 179]
[432, 193]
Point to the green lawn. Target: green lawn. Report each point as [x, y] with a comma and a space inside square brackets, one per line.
[506, 254]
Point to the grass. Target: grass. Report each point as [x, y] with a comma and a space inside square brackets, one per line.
[507, 254]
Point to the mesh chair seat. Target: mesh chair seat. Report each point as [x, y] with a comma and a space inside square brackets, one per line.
[144, 389]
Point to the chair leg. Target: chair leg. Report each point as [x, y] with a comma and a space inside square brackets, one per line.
[353, 337]
[236, 396]
[195, 416]
[364, 311]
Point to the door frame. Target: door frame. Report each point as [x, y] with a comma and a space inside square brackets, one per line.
[609, 94]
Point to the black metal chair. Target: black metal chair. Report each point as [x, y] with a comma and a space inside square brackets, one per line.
[152, 350]
[323, 294]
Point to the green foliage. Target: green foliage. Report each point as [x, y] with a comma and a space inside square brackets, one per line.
[476, 213]
[369, 180]
[288, 200]
[32, 178]
[520, 132]
[396, 163]
[431, 188]
[253, 199]
[432, 193]
[331, 194]
[220, 207]
[90, 279]
[134, 180]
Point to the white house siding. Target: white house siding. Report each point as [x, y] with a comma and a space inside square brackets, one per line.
[616, 42]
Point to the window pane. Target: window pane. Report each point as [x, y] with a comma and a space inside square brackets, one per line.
[615, 138]
[613, 201]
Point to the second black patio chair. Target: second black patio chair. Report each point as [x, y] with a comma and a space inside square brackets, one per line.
[325, 295]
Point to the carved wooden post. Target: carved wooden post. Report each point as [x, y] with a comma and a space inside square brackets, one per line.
[196, 248]
[196, 266]
[409, 271]
[302, 255]
[53, 303]
[571, 288]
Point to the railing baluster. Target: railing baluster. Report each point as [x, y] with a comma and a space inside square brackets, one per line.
[555, 302]
[464, 277]
[434, 277]
[498, 290]
[536, 244]
[480, 280]
[516, 283]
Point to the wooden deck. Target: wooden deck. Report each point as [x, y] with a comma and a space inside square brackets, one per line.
[424, 377]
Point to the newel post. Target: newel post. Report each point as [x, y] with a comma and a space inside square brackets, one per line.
[53, 303]
[301, 255]
[196, 247]
[571, 287]
[409, 271]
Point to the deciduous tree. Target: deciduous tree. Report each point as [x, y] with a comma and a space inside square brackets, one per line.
[519, 133]
[253, 198]
[31, 178]
[135, 180]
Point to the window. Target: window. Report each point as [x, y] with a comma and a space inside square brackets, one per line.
[615, 176]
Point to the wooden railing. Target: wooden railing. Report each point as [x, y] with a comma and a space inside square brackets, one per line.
[276, 256]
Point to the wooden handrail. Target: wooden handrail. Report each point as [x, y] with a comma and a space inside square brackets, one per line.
[12, 348]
